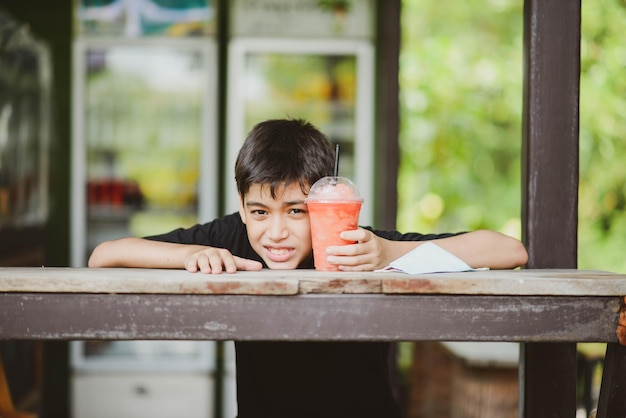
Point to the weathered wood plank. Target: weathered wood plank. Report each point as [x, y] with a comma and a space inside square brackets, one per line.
[561, 282]
[516, 282]
[308, 317]
[123, 280]
[340, 283]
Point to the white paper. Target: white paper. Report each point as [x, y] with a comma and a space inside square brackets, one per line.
[428, 258]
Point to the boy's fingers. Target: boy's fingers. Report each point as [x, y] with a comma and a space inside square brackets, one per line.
[342, 250]
[249, 265]
[351, 261]
[191, 265]
[230, 264]
[356, 267]
[359, 234]
[215, 263]
[203, 263]
[346, 250]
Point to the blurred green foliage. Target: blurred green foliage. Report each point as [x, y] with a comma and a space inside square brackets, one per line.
[461, 80]
[602, 194]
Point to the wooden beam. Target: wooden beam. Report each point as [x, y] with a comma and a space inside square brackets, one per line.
[320, 317]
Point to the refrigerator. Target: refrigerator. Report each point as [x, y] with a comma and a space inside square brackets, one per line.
[145, 154]
[311, 60]
[144, 162]
[326, 82]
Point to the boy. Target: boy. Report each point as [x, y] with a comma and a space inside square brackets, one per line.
[277, 164]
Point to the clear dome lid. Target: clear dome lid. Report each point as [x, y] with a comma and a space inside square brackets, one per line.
[334, 188]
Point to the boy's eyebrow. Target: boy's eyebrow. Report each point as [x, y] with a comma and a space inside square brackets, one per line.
[288, 203]
[294, 202]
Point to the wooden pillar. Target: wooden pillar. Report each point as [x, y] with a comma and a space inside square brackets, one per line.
[387, 113]
[612, 402]
[550, 186]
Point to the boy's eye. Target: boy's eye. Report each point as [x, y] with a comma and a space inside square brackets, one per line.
[259, 212]
[296, 211]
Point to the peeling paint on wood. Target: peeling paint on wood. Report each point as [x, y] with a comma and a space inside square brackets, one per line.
[321, 317]
[520, 305]
[130, 280]
[558, 282]
[621, 325]
[510, 282]
[340, 285]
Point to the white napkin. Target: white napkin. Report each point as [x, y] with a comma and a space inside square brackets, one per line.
[428, 258]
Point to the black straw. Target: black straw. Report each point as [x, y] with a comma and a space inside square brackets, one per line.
[336, 172]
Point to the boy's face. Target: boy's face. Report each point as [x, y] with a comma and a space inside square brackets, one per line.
[278, 229]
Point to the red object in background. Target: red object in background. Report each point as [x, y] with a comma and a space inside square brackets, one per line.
[93, 192]
[114, 192]
[117, 192]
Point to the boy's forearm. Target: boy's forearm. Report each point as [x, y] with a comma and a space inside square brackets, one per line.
[478, 249]
[141, 253]
[486, 248]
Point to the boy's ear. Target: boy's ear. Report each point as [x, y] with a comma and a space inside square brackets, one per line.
[242, 212]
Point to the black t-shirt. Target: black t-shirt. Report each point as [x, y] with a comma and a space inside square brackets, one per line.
[302, 379]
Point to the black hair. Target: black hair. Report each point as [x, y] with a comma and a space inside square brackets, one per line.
[279, 152]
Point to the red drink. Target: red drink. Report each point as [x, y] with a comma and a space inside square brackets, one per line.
[334, 205]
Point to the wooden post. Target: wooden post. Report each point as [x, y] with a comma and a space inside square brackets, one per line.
[387, 113]
[550, 185]
[612, 402]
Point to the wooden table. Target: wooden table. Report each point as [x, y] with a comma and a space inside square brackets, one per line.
[528, 306]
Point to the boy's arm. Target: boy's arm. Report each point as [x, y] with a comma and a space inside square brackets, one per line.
[481, 248]
[143, 253]
[485, 248]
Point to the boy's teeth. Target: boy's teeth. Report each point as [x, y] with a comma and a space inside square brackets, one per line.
[278, 250]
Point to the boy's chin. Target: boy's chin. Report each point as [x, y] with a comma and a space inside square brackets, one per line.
[288, 265]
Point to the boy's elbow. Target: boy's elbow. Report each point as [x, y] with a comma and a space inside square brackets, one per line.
[97, 258]
[513, 252]
[94, 260]
[521, 255]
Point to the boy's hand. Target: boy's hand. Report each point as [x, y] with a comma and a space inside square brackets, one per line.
[371, 252]
[216, 260]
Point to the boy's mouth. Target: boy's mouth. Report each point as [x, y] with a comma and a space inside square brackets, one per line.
[279, 254]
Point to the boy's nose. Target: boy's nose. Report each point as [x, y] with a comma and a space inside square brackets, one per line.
[278, 229]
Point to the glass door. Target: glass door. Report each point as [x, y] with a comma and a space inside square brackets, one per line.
[327, 82]
[144, 139]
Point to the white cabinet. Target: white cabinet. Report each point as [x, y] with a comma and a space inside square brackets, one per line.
[140, 395]
[137, 379]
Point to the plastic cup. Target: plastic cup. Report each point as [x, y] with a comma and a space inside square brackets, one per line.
[334, 204]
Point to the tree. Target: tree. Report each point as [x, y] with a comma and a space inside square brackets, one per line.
[461, 80]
